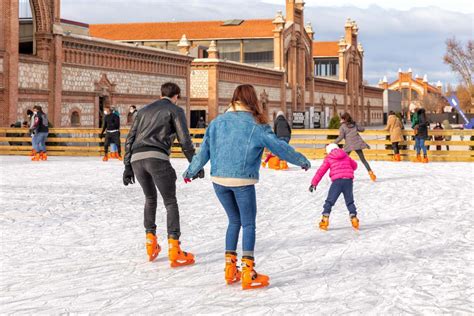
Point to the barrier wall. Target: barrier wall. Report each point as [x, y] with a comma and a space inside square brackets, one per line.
[85, 142]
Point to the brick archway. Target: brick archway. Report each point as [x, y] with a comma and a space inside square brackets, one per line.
[42, 11]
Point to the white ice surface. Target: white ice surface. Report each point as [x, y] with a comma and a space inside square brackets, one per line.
[72, 241]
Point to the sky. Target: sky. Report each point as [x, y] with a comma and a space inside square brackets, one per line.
[395, 34]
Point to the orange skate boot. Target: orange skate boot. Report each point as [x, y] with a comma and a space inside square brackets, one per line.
[36, 157]
[43, 156]
[232, 273]
[106, 158]
[178, 257]
[418, 158]
[425, 159]
[283, 165]
[152, 247]
[250, 278]
[398, 157]
[355, 222]
[372, 176]
[324, 223]
[33, 153]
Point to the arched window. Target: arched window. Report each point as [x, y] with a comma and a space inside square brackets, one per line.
[75, 119]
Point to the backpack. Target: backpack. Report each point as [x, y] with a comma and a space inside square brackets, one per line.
[44, 119]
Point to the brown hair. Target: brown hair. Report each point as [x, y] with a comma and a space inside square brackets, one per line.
[38, 108]
[246, 95]
[347, 118]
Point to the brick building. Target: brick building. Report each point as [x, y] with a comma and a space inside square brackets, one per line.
[74, 69]
[415, 90]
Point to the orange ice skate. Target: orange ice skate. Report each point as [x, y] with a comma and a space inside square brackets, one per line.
[250, 278]
[324, 223]
[152, 247]
[178, 257]
[355, 222]
[232, 273]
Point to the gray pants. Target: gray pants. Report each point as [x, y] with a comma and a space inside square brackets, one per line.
[155, 173]
[360, 153]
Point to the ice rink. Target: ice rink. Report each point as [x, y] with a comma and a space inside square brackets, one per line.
[72, 241]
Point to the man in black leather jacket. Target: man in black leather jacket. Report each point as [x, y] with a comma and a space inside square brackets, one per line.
[147, 152]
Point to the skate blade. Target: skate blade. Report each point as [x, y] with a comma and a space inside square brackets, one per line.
[235, 280]
[175, 264]
[230, 282]
[254, 286]
[154, 255]
[324, 229]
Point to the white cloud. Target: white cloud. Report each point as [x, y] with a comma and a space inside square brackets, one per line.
[391, 38]
[463, 6]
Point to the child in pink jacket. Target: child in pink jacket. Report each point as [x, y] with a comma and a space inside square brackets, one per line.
[341, 168]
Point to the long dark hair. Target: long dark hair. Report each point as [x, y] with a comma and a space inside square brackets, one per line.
[347, 118]
[246, 95]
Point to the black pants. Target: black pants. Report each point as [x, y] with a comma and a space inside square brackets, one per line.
[360, 153]
[112, 138]
[395, 148]
[154, 173]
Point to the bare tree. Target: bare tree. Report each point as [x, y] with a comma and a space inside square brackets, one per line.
[460, 59]
[432, 103]
[465, 96]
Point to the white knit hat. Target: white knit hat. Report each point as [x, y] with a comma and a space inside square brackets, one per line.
[280, 113]
[331, 147]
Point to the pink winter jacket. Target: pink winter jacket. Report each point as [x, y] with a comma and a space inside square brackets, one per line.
[342, 167]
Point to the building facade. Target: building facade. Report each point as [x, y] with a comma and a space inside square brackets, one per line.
[73, 69]
[416, 92]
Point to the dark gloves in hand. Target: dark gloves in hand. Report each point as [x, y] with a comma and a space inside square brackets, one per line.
[306, 166]
[199, 175]
[101, 135]
[312, 188]
[128, 176]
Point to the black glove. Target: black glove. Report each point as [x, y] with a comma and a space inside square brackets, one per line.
[306, 166]
[128, 176]
[101, 135]
[312, 188]
[199, 175]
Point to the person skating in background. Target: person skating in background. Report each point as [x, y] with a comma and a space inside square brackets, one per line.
[438, 138]
[234, 144]
[341, 171]
[114, 152]
[111, 131]
[29, 123]
[421, 134]
[349, 131]
[395, 127]
[147, 152]
[132, 114]
[39, 129]
[202, 125]
[282, 130]
[447, 126]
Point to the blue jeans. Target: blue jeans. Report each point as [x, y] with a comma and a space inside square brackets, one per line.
[39, 142]
[339, 186]
[240, 204]
[285, 139]
[419, 145]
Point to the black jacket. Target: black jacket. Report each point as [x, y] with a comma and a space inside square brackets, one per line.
[422, 125]
[111, 122]
[155, 129]
[40, 123]
[281, 127]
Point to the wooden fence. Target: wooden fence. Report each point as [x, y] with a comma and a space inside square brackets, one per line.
[86, 142]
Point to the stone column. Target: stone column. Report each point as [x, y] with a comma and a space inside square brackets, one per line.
[55, 71]
[184, 45]
[342, 62]
[213, 91]
[9, 39]
[278, 49]
[212, 52]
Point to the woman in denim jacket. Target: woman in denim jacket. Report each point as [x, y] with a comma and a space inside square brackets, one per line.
[234, 143]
